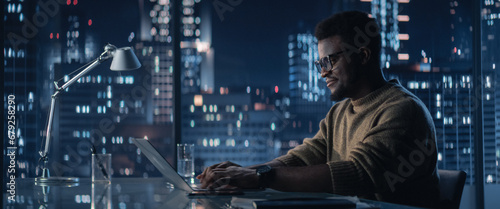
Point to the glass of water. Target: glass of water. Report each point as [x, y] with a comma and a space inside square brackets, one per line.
[101, 168]
[185, 160]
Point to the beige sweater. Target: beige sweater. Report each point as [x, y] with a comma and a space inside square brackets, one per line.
[382, 147]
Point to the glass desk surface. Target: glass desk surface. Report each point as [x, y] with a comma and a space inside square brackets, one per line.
[139, 193]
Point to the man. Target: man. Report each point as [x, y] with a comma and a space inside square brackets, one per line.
[379, 143]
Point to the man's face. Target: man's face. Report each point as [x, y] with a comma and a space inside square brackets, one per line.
[341, 78]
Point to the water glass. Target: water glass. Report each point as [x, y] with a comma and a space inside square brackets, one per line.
[185, 160]
[101, 167]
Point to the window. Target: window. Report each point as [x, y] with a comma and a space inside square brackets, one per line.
[249, 90]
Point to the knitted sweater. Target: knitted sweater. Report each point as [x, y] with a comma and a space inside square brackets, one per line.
[381, 146]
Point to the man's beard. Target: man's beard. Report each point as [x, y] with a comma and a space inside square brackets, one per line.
[340, 93]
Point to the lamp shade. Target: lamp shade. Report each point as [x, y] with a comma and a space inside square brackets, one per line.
[124, 59]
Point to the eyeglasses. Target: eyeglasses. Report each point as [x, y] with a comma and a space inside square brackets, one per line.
[326, 63]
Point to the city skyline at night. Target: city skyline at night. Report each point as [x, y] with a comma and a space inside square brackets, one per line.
[249, 87]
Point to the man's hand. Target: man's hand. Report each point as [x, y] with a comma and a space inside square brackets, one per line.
[218, 165]
[206, 177]
[231, 177]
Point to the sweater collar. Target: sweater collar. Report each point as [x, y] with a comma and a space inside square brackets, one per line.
[368, 99]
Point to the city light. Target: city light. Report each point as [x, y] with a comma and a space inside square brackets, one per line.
[198, 100]
[403, 56]
[403, 18]
[202, 46]
[403, 36]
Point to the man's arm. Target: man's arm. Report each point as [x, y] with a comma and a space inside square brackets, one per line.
[315, 178]
[272, 163]
[207, 177]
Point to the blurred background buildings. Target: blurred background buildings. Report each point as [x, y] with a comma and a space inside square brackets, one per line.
[254, 99]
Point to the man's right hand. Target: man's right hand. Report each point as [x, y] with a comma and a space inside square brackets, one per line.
[204, 177]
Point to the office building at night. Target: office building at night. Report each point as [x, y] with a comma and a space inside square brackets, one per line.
[260, 97]
[241, 126]
[21, 81]
[309, 96]
[490, 56]
[154, 46]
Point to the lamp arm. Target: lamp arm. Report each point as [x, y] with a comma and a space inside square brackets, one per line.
[43, 153]
[94, 64]
[107, 54]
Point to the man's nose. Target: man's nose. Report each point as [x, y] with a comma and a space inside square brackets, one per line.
[325, 73]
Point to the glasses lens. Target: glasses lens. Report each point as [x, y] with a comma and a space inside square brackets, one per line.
[318, 66]
[325, 64]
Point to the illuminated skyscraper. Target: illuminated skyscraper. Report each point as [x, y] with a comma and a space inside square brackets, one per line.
[490, 56]
[306, 85]
[155, 47]
[21, 77]
[389, 16]
[461, 30]
[309, 96]
[239, 126]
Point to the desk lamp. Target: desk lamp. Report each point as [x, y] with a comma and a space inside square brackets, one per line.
[123, 59]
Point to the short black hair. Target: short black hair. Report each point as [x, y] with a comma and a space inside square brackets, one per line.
[355, 28]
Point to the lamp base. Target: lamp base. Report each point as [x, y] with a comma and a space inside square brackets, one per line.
[57, 181]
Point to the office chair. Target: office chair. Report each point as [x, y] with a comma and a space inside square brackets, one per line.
[451, 186]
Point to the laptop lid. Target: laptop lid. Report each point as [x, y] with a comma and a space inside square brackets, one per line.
[161, 164]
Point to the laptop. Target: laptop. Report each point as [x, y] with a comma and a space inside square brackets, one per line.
[170, 174]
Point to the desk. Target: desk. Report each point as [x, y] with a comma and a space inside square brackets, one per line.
[138, 193]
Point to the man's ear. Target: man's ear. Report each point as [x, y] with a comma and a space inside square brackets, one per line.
[365, 55]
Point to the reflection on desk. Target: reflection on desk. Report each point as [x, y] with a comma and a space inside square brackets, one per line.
[138, 193]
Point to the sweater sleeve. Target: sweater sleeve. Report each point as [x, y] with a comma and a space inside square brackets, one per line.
[311, 152]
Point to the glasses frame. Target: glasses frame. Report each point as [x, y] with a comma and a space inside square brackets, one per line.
[323, 64]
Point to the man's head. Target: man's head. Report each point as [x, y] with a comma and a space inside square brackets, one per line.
[349, 49]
